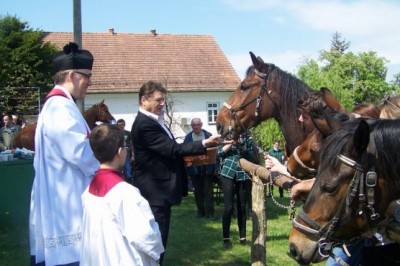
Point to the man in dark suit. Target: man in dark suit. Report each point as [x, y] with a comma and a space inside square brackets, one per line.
[159, 171]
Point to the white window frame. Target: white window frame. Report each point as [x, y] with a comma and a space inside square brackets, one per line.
[212, 112]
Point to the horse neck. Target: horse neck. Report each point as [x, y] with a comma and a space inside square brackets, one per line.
[290, 91]
[292, 133]
[90, 116]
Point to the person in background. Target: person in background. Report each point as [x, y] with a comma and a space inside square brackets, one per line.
[366, 110]
[202, 176]
[235, 181]
[17, 120]
[130, 156]
[277, 152]
[159, 170]
[64, 163]
[8, 133]
[118, 225]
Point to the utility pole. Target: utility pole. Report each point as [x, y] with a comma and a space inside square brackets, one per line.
[78, 39]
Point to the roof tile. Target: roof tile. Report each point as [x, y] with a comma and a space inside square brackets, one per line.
[124, 61]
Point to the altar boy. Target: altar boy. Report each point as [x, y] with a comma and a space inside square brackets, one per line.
[118, 225]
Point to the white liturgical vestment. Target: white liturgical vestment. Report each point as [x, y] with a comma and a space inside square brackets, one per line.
[118, 225]
[64, 165]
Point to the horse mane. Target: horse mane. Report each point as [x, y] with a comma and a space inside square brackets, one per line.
[385, 135]
[292, 90]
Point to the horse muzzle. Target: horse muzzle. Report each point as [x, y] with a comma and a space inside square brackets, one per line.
[307, 255]
[226, 132]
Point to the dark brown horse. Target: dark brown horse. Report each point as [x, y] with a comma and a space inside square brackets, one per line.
[303, 162]
[266, 92]
[98, 112]
[357, 178]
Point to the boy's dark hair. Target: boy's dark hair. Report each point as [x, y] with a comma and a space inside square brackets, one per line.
[105, 140]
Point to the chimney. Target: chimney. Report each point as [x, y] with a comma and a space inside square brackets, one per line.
[111, 30]
[154, 32]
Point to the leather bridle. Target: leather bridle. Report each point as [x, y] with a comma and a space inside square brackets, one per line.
[257, 99]
[324, 234]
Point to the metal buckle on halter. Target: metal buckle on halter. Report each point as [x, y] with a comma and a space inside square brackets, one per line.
[370, 179]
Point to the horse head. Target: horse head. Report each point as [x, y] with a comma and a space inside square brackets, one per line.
[98, 113]
[249, 104]
[355, 159]
[266, 92]
[325, 117]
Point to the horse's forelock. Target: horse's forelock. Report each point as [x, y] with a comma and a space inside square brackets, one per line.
[336, 143]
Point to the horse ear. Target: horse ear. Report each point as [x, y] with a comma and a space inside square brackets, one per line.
[331, 100]
[361, 137]
[102, 101]
[323, 125]
[257, 61]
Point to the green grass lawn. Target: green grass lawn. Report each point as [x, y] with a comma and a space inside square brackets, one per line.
[195, 241]
[192, 241]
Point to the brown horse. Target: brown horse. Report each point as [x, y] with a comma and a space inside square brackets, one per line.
[303, 162]
[266, 92]
[98, 112]
[357, 178]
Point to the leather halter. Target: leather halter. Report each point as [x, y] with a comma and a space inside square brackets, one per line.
[258, 99]
[324, 235]
[311, 171]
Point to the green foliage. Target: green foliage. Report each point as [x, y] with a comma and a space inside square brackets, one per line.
[25, 63]
[353, 78]
[265, 134]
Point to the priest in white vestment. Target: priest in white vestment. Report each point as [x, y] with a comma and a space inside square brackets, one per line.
[64, 163]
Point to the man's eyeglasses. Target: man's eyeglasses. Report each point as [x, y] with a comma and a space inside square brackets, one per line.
[196, 124]
[88, 75]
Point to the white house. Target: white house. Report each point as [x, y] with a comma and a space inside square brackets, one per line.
[193, 68]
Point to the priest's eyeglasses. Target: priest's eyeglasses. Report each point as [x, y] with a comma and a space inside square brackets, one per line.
[88, 75]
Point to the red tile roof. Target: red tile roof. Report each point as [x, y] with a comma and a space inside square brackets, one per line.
[124, 61]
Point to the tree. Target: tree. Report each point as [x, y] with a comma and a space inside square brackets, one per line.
[25, 65]
[265, 134]
[338, 44]
[353, 78]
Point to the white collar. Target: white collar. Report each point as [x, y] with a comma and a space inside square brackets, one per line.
[150, 114]
[67, 93]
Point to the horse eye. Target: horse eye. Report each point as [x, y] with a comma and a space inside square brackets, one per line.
[244, 87]
[329, 188]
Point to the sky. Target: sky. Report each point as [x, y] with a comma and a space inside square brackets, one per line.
[282, 32]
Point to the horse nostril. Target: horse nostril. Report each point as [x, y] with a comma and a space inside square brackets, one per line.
[219, 127]
[293, 250]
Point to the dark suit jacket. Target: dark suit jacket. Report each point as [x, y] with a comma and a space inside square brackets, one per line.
[159, 171]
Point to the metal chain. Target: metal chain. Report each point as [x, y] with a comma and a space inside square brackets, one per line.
[291, 206]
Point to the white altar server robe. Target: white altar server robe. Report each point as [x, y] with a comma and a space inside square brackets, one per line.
[119, 229]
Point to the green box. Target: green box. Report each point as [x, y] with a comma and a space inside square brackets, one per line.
[15, 190]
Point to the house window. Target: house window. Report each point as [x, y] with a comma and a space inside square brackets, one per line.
[212, 112]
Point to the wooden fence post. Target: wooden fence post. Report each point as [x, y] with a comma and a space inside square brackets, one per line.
[258, 249]
[260, 175]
